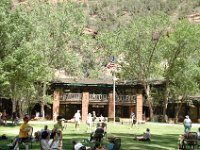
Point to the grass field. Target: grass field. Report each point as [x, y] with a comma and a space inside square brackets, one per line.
[164, 136]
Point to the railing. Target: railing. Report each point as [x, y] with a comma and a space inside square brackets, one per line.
[126, 98]
[98, 97]
[72, 97]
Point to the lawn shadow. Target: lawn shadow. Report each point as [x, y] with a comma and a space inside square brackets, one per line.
[165, 142]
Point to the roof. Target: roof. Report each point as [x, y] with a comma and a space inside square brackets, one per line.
[84, 81]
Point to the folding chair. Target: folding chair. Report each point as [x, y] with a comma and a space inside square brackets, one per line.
[190, 140]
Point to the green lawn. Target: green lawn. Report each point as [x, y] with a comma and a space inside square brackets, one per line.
[164, 136]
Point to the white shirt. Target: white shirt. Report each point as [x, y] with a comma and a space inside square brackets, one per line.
[55, 144]
[198, 135]
[147, 135]
[89, 119]
[44, 144]
[187, 122]
[78, 146]
[77, 116]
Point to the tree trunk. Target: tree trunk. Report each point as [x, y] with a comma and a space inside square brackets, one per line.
[165, 102]
[42, 109]
[165, 110]
[149, 100]
[14, 102]
[151, 111]
[178, 111]
[21, 108]
[43, 100]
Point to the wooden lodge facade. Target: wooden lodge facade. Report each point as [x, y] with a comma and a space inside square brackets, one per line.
[87, 95]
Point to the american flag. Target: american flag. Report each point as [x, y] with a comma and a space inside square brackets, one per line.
[111, 64]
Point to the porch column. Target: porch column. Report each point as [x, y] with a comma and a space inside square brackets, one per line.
[110, 105]
[56, 102]
[85, 104]
[139, 105]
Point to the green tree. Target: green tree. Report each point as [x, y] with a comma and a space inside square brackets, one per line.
[137, 47]
[40, 38]
[178, 49]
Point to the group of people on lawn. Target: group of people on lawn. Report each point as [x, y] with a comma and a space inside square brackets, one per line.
[52, 139]
[4, 117]
[49, 140]
[187, 123]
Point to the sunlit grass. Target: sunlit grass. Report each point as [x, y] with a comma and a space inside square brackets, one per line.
[164, 136]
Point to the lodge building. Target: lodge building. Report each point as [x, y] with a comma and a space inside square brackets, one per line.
[87, 95]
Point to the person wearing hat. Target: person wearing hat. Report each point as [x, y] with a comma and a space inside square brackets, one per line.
[187, 124]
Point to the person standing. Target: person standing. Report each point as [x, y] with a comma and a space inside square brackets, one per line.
[89, 122]
[77, 117]
[1, 120]
[133, 119]
[198, 134]
[4, 117]
[58, 125]
[187, 124]
[94, 116]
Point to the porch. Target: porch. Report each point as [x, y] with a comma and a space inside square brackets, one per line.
[96, 98]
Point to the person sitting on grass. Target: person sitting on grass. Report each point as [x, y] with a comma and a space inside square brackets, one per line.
[181, 141]
[45, 144]
[97, 135]
[97, 146]
[78, 145]
[110, 145]
[38, 134]
[145, 137]
[23, 134]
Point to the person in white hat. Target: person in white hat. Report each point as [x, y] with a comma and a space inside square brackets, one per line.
[187, 124]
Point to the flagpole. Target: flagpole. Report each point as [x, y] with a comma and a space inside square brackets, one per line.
[114, 96]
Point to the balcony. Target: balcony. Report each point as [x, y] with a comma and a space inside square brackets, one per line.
[68, 97]
[125, 98]
[98, 97]
[71, 97]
